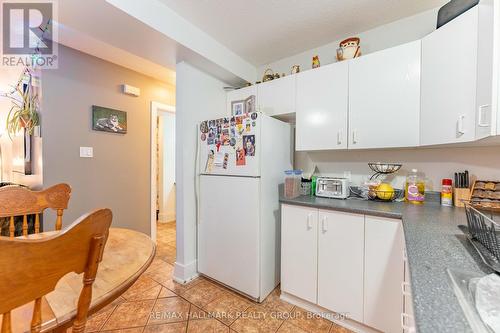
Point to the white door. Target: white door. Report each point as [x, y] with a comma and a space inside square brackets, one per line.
[277, 97]
[449, 76]
[322, 105]
[384, 98]
[239, 95]
[384, 273]
[228, 231]
[340, 262]
[299, 246]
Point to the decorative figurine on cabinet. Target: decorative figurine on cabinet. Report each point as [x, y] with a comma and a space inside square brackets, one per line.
[349, 49]
[315, 62]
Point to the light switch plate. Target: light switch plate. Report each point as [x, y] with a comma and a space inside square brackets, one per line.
[86, 152]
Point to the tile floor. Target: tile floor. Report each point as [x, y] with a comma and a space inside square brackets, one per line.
[155, 303]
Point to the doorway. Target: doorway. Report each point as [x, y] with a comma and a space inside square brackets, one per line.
[163, 191]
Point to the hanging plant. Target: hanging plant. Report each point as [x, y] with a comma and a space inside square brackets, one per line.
[25, 105]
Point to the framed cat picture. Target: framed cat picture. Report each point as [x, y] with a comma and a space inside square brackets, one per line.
[109, 120]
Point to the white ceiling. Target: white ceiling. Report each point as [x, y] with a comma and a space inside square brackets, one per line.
[263, 31]
[99, 28]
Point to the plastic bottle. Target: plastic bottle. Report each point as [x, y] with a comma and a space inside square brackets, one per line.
[313, 185]
[414, 188]
[447, 192]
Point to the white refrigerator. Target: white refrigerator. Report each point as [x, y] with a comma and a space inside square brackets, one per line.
[241, 162]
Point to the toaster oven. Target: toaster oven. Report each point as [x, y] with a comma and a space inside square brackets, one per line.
[330, 187]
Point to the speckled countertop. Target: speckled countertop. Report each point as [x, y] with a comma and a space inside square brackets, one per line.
[433, 243]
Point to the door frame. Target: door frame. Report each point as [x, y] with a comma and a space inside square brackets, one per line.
[156, 109]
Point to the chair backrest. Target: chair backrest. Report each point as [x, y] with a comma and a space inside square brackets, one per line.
[79, 249]
[19, 201]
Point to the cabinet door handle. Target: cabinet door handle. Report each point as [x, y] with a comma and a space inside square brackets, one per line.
[339, 137]
[309, 222]
[354, 136]
[406, 323]
[405, 289]
[324, 224]
[482, 109]
[460, 125]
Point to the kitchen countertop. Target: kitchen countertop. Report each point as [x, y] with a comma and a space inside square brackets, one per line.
[433, 243]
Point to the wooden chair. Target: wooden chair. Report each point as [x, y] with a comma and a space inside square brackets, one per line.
[79, 249]
[19, 201]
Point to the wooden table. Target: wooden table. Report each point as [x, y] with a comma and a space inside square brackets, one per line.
[127, 255]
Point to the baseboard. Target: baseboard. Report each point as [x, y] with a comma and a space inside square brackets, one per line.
[327, 314]
[185, 273]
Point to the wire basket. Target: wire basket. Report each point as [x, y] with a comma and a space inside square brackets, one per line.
[370, 192]
[484, 234]
[384, 168]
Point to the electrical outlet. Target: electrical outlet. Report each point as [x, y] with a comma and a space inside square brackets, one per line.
[86, 152]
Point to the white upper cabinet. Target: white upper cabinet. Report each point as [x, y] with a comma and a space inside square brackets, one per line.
[457, 78]
[384, 98]
[240, 95]
[322, 106]
[277, 97]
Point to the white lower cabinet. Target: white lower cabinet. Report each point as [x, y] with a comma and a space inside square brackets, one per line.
[347, 263]
[340, 263]
[384, 273]
[299, 252]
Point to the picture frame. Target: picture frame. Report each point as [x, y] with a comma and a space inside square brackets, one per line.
[250, 104]
[109, 120]
[237, 108]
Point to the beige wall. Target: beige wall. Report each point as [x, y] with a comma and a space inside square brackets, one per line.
[118, 177]
[436, 163]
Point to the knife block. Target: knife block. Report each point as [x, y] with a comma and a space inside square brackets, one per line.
[460, 195]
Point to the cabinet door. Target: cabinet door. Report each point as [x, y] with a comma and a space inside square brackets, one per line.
[449, 76]
[340, 263]
[277, 97]
[239, 95]
[384, 274]
[322, 105]
[407, 320]
[299, 246]
[384, 98]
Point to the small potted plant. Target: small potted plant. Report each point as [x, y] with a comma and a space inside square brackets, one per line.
[25, 106]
